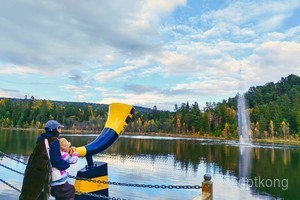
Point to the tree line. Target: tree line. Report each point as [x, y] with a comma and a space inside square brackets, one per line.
[274, 112]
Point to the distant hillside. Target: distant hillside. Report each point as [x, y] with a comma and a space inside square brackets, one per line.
[77, 104]
[274, 112]
[272, 92]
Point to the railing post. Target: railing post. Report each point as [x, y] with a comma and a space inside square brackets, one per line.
[207, 188]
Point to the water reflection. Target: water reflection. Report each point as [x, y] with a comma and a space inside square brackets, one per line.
[177, 161]
[245, 161]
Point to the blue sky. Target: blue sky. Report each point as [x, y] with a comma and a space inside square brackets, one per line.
[146, 52]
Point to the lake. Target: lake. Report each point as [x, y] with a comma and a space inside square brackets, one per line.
[257, 171]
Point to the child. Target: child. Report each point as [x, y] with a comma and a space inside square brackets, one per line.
[61, 179]
[65, 149]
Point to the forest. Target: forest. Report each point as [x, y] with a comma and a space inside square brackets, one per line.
[274, 112]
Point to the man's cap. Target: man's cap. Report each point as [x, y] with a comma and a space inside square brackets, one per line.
[52, 125]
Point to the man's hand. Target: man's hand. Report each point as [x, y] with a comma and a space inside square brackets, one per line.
[72, 150]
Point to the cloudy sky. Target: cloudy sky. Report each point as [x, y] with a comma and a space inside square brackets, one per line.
[145, 52]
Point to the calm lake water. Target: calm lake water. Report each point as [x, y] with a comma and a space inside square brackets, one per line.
[238, 172]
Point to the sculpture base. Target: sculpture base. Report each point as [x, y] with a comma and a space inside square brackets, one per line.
[96, 174]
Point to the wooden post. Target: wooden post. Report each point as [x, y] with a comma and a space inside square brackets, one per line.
[207, 188]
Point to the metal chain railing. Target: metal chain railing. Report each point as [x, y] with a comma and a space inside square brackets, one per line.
[103, 182]
[12, 158]
[10, 185]
[77, 192]
[11, 169]
[98, 196]
[115, 183]
[138, 184]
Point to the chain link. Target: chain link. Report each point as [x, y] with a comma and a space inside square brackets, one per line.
[98, 196]
[11, 169]
[12, 158]
[138, 185]
[10, 185]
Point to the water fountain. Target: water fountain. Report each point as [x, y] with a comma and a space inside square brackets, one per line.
[243, 120]
[245, 137]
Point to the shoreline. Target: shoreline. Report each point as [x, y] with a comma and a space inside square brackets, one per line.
[256, 140]
[275, 140]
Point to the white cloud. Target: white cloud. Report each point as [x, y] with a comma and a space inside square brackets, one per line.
[271, 23]
[146, 99]
[270, 62]
[11, 93]
[108, 59]
[76, 89]
[218, 85]
[64, 35]
[82, 97]
[115, 75]
[278, 54]
[293, 33]
[253, 14]
[174, 63]
[20, 70]
[104, 46]
[151, 12]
